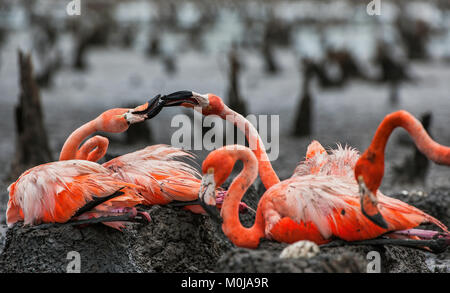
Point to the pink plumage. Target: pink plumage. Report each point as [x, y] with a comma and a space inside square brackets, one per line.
[54, 192]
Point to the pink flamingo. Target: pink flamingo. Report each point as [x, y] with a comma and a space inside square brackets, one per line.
[77, 191]
[320, 202]
[157, 169]
[210, 104]
[369, 169]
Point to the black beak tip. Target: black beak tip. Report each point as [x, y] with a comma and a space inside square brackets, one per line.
[377, 219]
[178, 95]
[154, 106]
[211, 211]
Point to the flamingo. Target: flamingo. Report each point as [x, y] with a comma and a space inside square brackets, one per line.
[157, 169]
[210, 104]
[74, 190]
[79, 190]
[369, 169]
[319, 203]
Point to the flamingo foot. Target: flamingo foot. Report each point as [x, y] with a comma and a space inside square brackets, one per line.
[243, 207]
[143, 217]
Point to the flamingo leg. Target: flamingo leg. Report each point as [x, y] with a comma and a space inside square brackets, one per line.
[139, 217]
[435, 245]
[243, 208]
[134, 216]
[211, 210]
[97, 201]
[423, 234]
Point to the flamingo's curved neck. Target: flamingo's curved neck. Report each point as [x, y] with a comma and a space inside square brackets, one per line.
[266, 171]
[73, 142]
[232, 227]
[432, 150]
[93, 149]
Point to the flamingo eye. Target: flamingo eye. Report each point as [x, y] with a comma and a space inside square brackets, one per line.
[122, 117]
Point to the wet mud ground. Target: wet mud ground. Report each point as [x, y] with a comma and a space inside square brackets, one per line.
[177, 241]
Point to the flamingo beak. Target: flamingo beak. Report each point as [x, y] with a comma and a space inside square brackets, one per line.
[185, 98]
[369, 205]
[150, 109]
[207, 195]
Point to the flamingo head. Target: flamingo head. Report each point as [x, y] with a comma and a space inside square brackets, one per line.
[369, 170]
[207, 104]
[220, 164]
[207, 195]
[119, 119]
[216, 168]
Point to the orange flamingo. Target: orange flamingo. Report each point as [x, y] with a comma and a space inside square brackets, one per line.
[319, 202]
[341, 163]
[210, 104]
[369, 169]
[157, 169]
[77, 191]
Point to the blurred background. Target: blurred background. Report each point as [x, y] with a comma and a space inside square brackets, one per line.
[329, 70]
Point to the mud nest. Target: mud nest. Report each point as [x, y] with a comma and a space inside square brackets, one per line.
[179, 241]
[346, 259]
[175, 241]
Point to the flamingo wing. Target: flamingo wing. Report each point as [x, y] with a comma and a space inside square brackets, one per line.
[318, 208]
[54, 192]
[340, 161]
[159, 169]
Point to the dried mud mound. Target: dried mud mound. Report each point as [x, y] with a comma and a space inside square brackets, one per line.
[176, 241]
[344, 259]
[348, 259]
[437, 204]
[266, 260]
[179, 241]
